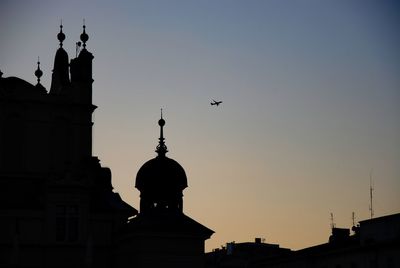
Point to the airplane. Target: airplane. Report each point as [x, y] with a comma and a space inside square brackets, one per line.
[216, 102]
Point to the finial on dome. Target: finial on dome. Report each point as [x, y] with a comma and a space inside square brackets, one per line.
[161, 122]
[61, 35]
[38, 72]
[84, 36]
[161, 147]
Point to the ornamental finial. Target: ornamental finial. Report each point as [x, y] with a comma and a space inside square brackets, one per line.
[61, 35]
[161, 148]
[38, 72]
[84, 36]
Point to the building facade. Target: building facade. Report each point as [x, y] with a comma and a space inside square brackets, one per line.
[57, 204]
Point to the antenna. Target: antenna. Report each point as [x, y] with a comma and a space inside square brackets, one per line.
[333, 225]
[371, 189]
[353, 217]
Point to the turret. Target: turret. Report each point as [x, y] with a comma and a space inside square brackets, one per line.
[60, 76]
[81, 72]
[161, 181]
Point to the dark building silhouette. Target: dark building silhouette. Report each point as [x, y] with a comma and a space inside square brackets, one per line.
[57, 204]
[58, 207]
[161, 235]
[245, 254]
[375, 243]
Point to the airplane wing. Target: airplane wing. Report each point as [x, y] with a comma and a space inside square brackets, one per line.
[215, 102]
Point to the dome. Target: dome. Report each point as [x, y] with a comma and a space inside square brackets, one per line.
[161, 181]
[19, 88]
[161, 174]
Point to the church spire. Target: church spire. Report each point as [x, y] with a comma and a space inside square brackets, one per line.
[161, 147]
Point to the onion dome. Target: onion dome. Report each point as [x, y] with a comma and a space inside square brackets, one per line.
[161, 180]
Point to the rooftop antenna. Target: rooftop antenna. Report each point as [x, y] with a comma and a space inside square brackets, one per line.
[353, 217]
[333, 225]
[371, 189]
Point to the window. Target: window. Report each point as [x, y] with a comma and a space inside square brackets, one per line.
[67, 223]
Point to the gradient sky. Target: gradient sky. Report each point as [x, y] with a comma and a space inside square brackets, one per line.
[310, 91]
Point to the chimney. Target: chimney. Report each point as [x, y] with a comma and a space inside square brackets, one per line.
[339, 235]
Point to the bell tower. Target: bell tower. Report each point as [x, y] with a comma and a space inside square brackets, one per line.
[81, 72]
[61, 209]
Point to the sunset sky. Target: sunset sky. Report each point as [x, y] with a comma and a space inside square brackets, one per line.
[310, 91]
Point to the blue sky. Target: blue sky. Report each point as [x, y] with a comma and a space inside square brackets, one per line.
[310, 94]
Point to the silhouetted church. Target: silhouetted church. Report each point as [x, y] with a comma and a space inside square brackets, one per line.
[57, 204]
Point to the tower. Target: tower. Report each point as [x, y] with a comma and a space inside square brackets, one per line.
[57, 204]
[162, 235]
[81, 72]
[72, 114]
